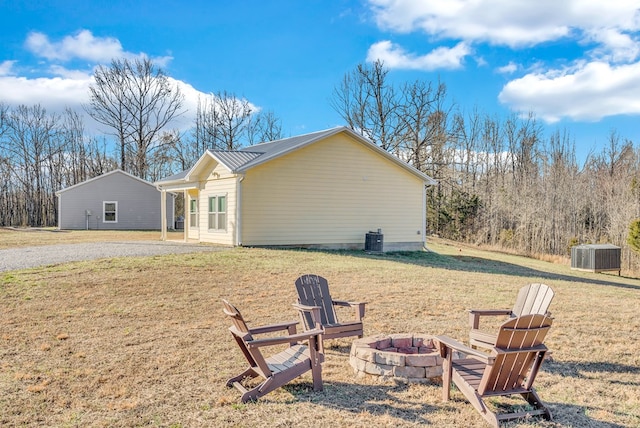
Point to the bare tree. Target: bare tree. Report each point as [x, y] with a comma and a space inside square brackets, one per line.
[222, 122]
[136, 100]
[232, 117]
[368, 103]
[30, 146]
[264, 126]
[420, 114]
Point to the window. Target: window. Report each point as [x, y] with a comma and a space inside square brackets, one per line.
[193, 212]
[110, 212]
[218, 213]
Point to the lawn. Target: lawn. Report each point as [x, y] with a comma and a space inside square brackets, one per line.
[144, 342]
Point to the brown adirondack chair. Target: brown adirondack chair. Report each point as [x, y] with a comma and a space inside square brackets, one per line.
[510, 368]
[281, 368]
[313, 291]
[532, 299]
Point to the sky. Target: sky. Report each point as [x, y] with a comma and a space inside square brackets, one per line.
[575, 64]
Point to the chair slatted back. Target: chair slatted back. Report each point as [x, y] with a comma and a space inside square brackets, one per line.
[533, 299]
[518, 354]
[242, 335]
[313, 290]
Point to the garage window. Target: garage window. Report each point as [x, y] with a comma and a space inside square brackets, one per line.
[110, 211]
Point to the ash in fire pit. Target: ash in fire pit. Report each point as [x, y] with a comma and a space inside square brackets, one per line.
[406, 357]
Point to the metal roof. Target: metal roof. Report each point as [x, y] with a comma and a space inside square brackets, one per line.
[239, 161]
[236, 158]
[274, 149]
[175, 177]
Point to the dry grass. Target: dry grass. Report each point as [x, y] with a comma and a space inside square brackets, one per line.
[144, 342]
[25, 237]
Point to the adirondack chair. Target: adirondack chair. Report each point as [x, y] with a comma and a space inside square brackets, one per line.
[510, 368]
[532, 299]
[313, 291]
[281, 368]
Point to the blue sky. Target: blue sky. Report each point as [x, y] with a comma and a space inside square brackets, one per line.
[574, 63]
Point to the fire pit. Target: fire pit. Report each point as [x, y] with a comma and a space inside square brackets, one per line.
[405, 357]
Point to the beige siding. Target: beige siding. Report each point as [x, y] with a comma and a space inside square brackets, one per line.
[331, 193]
[219, 183]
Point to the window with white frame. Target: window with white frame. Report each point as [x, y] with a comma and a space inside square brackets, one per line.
[110, 211]
[193, 212]
[218, 212]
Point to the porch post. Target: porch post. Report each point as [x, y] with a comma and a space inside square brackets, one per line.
[163, 215]
[185, 215]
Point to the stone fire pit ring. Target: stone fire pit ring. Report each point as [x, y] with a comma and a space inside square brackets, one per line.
[409, 358]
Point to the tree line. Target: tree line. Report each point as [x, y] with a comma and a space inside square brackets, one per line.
[135, 102]
[502, 181]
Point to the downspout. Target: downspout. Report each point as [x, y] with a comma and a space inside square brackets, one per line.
[424, 217]
[238, 242]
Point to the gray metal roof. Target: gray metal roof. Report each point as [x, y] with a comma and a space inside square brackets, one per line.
[248, 157]
[239, 161]
[175, 177]
[274, 149]
[235, 159]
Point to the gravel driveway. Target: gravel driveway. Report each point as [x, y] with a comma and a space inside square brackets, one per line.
[29, 257]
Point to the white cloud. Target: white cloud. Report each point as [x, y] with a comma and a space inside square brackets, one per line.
[61, 87]
[56, 94]
[60, 71]
[507, 22]
[588, 92]
[509, 68]
[85, 46]
[603, 35]
[82, 45]
[6, 68]
[614, 46]
[393, 56]
[52, 93]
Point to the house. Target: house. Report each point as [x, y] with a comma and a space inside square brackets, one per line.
[326, 189]
[113, 201]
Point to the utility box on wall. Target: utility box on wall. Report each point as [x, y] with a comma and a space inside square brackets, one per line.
[596, 257]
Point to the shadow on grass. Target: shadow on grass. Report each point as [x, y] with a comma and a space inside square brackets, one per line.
[377, 400]
[382, 401]
[476, 264]
[570, 415]
[577, 369]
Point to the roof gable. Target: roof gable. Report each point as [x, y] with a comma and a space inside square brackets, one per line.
[103, 176]
[240, 161]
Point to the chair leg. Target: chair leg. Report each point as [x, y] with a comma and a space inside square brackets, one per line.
[316, 374]
[447, 370]
[248, 373]
[533, 399]
[251, 395]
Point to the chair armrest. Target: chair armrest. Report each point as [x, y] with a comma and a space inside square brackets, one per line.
[445, 342]
[314, 311]
[475, 314]
[359, 306]
[270, 341]
[289, 325]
